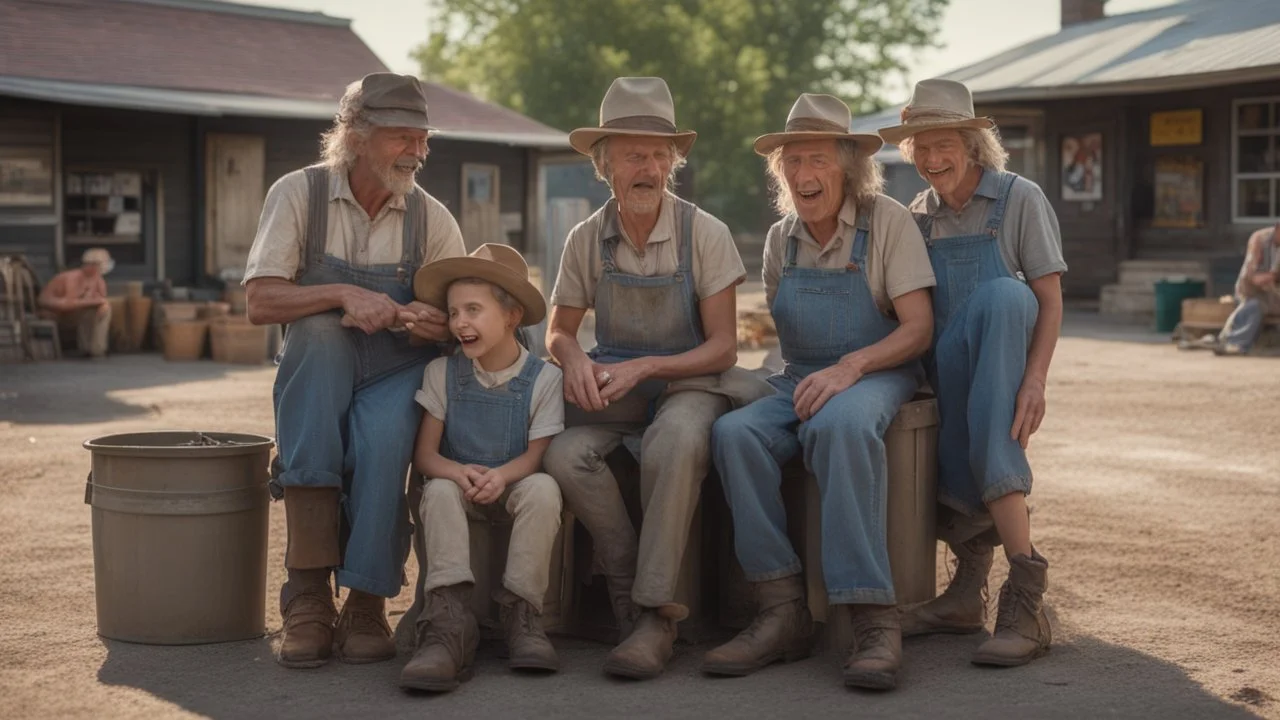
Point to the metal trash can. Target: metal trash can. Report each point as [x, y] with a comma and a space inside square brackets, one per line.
[180, 536]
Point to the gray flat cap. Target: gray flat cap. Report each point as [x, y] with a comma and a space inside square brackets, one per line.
[392, 100]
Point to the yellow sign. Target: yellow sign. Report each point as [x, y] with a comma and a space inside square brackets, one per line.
[1176, 127]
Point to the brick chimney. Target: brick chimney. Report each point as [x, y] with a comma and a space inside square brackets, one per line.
[1078, 11]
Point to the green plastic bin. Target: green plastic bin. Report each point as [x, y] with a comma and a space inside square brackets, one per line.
[1170, 292]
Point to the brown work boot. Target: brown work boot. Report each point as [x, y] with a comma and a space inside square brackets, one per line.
[447, 639]
[876, 655]
[625, 611]
[528, 647]
[1022, 630]
[782, 630]
[363, 635]
[962, 607]
[306, 641]
[644, 653]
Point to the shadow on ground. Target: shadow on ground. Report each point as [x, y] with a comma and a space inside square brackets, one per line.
[1081, 678]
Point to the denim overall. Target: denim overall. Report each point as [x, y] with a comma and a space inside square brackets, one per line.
[487, 426]
[344, 401]
[1244, 325]
[983, 318]
[821, 315]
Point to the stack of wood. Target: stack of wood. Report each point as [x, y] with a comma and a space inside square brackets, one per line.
[756, 329]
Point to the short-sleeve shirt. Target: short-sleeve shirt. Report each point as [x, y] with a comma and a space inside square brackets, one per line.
[353, 236]
[716, 262]
[897, 260]
[1029, 237]
[546, 408]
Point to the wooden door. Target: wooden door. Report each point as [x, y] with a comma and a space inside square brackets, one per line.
[481, 222]
[235, 179]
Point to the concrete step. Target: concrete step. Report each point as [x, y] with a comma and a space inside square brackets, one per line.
[1148, 272]
[1127, 300]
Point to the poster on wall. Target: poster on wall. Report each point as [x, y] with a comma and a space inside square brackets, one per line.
[1082, 167]
[26, 177]
[1179, 193]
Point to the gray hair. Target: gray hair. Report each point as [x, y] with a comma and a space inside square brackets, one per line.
[863, 177]
[604, 170]
[339, 143]
[982, 145]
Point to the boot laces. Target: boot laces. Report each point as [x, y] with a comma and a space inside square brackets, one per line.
[1013, 602]
[964, 574]
[309, 606]
[364, 621]
[441, 604]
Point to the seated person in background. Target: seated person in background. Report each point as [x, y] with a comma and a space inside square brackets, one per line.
[78, 298]
[1256, 293]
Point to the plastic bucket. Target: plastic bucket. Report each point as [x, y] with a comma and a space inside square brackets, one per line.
[1170, 293]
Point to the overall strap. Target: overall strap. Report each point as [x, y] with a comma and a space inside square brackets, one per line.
[459, 371]
[858, 253]
[996, 217]
[688, 211]
[529, 373]
[609, 241]
[317, 232]
[415, 228]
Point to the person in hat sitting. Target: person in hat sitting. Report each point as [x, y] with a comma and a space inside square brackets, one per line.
[996, 249]
[78, 298]
[847, 280]
[661, 275]
[337, 247]
[1257, 294]
[491, 411]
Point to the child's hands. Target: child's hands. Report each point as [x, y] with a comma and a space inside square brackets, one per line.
[467, 476]
[488, 488]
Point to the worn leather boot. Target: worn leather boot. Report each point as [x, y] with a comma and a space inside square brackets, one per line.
[962, 607]
[447, 639]
[876, 655]
[645, 652]
[528, 647]
[625, 611]
[363, 635]
[1022, 630]
[306, 641]
[782, 630]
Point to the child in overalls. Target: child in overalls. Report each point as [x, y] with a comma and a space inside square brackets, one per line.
[492, 409]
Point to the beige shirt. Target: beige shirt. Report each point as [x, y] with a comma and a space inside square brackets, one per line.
[546, 409]
[1029, 237]
[353, 236]
[897, 259]
[716, 262]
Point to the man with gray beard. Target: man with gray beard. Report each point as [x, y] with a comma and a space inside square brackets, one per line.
[334, 259]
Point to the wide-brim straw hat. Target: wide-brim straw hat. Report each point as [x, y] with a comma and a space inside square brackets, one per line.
[99, 257]
[638, 107]
[936, 105]
[818, 117]
[491, 262]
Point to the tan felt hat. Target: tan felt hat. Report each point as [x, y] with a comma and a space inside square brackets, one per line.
[499, 264]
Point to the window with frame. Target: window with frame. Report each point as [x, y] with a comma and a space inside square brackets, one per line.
[1255, 160]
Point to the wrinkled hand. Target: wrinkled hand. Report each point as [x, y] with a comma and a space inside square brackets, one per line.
[488, 488]
[814, 391]
[424, 322]
[369, 311]
[467, 476]
[582, 385]
[1029, 411]
[618, 379]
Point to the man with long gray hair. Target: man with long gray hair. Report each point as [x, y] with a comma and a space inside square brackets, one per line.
[660, 274]
[847, 280]
[334, 259]
[996, 249]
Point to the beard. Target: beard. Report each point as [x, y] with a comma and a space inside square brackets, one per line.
[396, 182]
[642, 202]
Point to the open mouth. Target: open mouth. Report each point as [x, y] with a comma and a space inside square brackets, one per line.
[643, 185]
[938, 172]
[809, 195]
[468, 339]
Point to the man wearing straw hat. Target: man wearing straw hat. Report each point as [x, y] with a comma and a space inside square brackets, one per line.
[78, 298]
[996, 249]
[334, 259]
[846, 277]
[660, 274]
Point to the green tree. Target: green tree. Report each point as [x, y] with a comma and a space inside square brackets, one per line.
[734, 66]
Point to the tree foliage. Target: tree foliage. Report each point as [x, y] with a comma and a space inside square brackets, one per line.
[734, 66]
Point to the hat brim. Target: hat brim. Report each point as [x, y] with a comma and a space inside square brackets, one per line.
[431, 284]
[866, 142]
[896, 134]
[583, 139]
[392, 117]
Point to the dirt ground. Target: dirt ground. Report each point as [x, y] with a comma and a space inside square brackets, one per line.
[1157, 502]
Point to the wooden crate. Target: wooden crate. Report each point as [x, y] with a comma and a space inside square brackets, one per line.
[234, 339]
[1206, 312]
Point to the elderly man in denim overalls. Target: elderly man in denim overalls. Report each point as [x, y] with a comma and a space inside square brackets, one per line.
[846, 276]
[334, 259]
[660, 274]
[996, 249]
[1257, 293]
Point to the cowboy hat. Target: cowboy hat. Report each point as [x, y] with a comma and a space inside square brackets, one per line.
[635, 106]
[936, 104]
[818, 117]
[499, 264]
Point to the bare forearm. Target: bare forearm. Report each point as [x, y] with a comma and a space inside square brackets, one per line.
[528, 463]
[714, 356]
[1044, 337]
[909, 341]
[272, 300]
[434, 465]
[564, 348]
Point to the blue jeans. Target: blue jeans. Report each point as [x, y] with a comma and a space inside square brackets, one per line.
[978, 364]
[336, 429]
[1244, 325]
[843, 447]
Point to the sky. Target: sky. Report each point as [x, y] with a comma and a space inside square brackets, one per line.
[973, 29]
